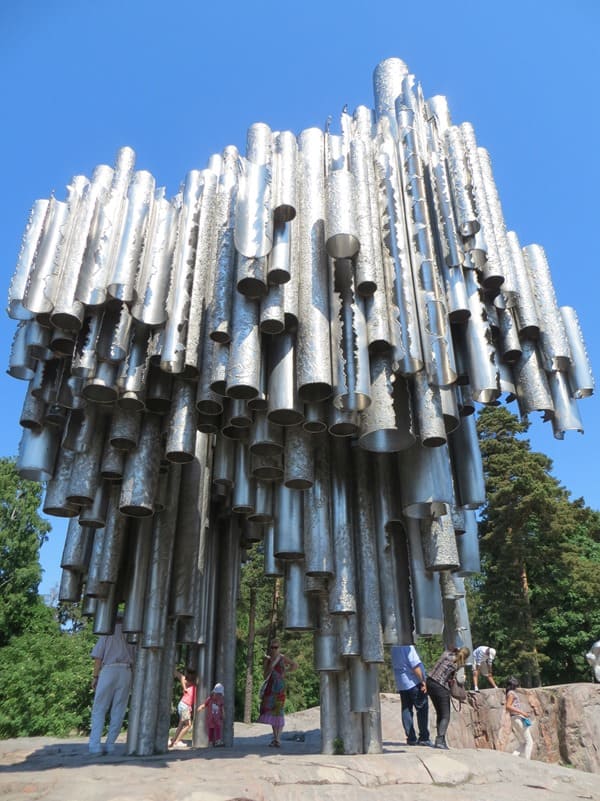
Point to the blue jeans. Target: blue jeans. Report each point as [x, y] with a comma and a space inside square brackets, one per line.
[411, 699]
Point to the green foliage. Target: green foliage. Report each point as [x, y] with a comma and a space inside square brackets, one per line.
[536, 600]
[22, 532]
[45, 678]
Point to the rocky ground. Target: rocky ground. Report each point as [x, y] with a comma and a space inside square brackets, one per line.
[61, 770]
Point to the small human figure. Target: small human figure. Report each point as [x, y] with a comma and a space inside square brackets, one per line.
[113, 662]
[593, 657]
[410, 676]
[438, 687]
[519, 721]
[185, 707]
[483, 656]
[275, 665]
[215, 710]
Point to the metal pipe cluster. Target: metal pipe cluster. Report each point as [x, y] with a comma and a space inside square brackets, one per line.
[288, 351]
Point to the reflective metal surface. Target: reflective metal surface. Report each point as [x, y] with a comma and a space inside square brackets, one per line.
[289, 351]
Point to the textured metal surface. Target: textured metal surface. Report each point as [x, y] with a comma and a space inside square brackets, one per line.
[290, 349]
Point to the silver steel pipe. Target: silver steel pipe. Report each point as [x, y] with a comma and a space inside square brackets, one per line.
[581, 379]
[173, 354]
[284, 405]
[55, 499]
[424, 587]
[39, 292]
[554, 344]
[105, 233]
[94, 516]
[68, 311]
[439, 543]
[371, 633]
[314, 359]
[181, 423]
[202, 277]
[140, 197]
[140, 474]
[219, 308]
[243, 370]
[78, 547]
[402, 305]
[343, 588]
[349, 354]
[273, 567]
[285, 154]
[469, 482]
[317, 515]
[531, 382]
[140, 542]
[152, 284]
[288, 540]
[35, 231]
[298, 472]
[159, 570]
[425, 481]
[225, 621]
[527, 316]
[298, 612]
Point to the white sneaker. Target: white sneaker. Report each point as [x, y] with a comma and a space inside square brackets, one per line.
[180, 744]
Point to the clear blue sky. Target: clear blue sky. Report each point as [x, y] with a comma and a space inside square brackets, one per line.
[179, 80]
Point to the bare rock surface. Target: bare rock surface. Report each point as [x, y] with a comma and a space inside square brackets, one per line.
[61, 770]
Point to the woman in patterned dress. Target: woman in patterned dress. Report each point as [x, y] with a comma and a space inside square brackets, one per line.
[275, 665]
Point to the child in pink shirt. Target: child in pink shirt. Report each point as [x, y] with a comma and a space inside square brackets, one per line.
[185, 707]
[214, 706]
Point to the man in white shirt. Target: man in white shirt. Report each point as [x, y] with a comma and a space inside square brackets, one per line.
[483, 656]
[410, 676]
[113, 663]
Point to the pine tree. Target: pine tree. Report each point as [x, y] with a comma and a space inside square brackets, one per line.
[22, 532]
[536, 600]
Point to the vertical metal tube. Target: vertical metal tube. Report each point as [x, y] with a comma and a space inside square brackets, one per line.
[78, 547]
[427, 601]
[181, 423]
[68, 311]
[581, 379]
[288, 542]
[298, 459]
[48, 222]
[243, 371]
[140, 540]
[284, 406]
[159, 571]
[371, 634]
[105, 233]
[350, 729]
[219, 309]
[140, 197]
[173, 354]
[342, 590]
[299, 613]
[317, 515]
[469, 482]
[229, 575]
[314, 359]
[140, 474]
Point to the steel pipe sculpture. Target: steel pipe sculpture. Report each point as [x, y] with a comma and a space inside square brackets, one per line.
[288, 352]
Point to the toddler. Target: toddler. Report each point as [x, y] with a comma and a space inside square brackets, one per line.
[214, 706]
